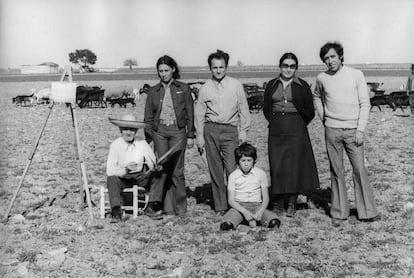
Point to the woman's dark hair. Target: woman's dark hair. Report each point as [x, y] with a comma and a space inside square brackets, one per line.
[219, 54]
[289, 55]
[167, 60]
[245, 149]
[337, 46]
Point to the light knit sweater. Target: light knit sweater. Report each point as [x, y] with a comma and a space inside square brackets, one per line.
[341, 100]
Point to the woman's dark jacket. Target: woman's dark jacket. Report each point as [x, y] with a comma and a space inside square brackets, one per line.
[183, 107]
[302, 98]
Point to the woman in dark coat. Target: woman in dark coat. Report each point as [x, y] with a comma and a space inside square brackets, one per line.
[288, 107]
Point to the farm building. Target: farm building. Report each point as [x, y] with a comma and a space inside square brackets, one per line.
[48, 67]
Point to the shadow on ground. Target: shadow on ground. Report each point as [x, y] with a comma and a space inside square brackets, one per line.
[202, 194]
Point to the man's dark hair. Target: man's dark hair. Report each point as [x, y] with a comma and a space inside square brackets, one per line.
[337, 46]
[219, 54]
[245, 149]
[289, 55]
[167, 60]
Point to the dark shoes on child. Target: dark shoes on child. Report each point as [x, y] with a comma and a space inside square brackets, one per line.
[274, 223]
[227, 226]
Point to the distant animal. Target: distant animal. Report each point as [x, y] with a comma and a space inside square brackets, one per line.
[42, 96]
[255, 96]
[122, 96]
[90, 96]
[121, 101]
[122, 91]
[401, 99]
[378, 100]
[195, 87]
[23, 100]
[255, 101]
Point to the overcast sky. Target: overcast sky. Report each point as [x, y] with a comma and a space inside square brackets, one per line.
[254, 32]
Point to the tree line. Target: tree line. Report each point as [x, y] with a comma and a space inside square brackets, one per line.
[85, 58]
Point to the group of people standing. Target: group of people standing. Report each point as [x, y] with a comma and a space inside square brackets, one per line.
[219, 120]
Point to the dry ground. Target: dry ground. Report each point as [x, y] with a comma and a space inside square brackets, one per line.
[192, 246]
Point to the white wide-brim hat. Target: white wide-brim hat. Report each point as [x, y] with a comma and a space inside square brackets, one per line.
[127, 121]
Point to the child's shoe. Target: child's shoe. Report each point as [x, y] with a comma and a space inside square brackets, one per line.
[274, 223]
[226, 226]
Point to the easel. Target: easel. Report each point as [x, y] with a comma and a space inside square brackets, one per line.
[66, 77]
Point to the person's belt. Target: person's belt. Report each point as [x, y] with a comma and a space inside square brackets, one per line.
[168, 122]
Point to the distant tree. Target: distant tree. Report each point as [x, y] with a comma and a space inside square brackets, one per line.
[84, 58]
[130, 62]
[239, 63]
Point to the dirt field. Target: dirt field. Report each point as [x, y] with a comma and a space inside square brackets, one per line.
[56, 239]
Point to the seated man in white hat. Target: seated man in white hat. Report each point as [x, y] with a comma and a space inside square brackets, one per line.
[128, 161]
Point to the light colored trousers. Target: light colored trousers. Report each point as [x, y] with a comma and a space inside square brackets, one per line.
[235, 217]
[338, 139]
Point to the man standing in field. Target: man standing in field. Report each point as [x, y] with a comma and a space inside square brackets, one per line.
[341, 101]
[220, 109]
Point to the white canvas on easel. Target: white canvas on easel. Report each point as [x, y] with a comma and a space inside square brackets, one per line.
[63, 92]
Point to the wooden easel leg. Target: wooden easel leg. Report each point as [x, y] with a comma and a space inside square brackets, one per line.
[82, 199]
[82, 165]
[6, 215]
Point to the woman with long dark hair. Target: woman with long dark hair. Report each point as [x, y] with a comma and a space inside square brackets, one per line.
[169, 119]
[288, 107]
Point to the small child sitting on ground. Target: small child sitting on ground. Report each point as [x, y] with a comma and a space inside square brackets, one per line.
[248, 193]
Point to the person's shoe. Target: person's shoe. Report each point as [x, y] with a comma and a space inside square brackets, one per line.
[274, 223]
[336, 222]
[291, 210]
[226, 226]
[116, 213]
[372, 219]
[155, 206]
[155, 215]
[220, 213]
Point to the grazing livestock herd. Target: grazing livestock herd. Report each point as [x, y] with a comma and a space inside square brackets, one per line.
[86, 96]
[396, 99]
[95, 96]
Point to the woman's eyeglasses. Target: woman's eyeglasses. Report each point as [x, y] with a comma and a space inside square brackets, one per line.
[285, 66]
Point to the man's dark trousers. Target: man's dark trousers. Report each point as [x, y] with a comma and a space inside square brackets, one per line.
[116, 184]
[220, 142]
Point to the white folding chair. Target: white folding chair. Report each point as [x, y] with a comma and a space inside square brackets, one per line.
[139, 200]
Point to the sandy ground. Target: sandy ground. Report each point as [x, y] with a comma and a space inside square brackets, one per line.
[57, 239]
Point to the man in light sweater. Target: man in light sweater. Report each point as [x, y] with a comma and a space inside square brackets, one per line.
[342, 102]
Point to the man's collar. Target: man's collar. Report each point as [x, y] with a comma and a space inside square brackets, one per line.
[219, 82]
[129, 143]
